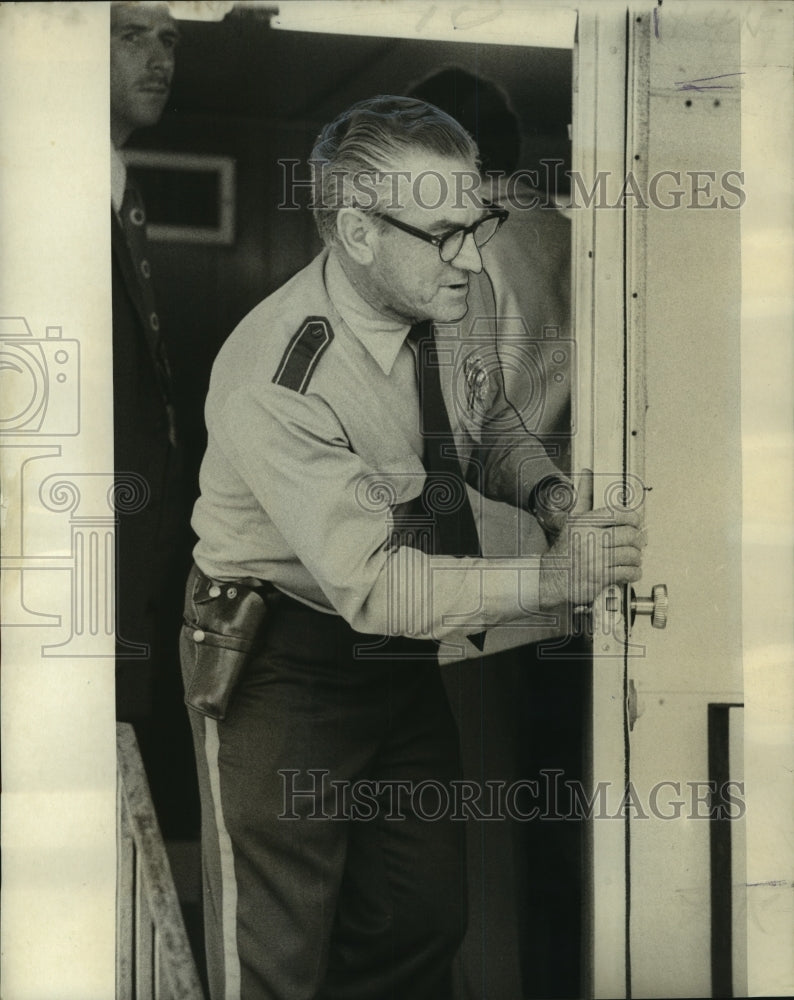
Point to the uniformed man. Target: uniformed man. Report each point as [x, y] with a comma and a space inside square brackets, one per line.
[337, 546]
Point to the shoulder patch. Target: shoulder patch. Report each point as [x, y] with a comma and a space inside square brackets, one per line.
[303, 354]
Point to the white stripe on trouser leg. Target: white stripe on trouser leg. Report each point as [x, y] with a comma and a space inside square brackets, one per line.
[231, 958]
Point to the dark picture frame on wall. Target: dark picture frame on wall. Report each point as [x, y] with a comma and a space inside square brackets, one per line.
[189, 197]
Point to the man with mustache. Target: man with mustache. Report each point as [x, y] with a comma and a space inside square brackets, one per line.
[147, 463]
[337, 547]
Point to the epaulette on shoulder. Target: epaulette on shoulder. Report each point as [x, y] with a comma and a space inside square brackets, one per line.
[303, 354]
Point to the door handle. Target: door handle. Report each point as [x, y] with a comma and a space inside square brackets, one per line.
[656, 605]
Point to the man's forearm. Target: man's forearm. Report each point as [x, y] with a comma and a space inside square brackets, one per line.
[522, 475]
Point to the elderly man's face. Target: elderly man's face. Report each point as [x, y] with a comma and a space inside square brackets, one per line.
[142, 42]
[408, 278]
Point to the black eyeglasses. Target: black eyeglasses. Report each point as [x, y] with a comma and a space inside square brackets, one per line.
[450, 244]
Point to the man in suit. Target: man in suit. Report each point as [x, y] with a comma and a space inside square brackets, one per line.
[151, 531]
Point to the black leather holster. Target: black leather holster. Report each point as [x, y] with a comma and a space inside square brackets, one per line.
[225, 622]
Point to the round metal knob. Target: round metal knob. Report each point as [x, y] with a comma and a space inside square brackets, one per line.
[656, 605]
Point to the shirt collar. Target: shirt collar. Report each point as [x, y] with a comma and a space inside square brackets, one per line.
[118, 177]
[381, 336]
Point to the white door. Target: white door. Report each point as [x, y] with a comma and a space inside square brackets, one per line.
[657, 322]
[599, 445]
[683, 265]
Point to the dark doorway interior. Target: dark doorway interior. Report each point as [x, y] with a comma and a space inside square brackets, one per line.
[257, 95]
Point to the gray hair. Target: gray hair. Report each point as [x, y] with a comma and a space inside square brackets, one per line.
[370, 139]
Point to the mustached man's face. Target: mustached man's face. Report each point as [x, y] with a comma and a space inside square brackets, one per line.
[142, 44]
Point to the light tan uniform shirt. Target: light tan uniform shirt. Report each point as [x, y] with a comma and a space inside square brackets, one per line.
[315, 436]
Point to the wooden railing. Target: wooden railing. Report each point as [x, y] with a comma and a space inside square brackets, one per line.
[153, 956]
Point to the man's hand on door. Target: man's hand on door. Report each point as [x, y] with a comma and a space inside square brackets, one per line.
[593, 551]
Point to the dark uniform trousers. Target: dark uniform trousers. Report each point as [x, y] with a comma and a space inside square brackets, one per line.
[302, 900]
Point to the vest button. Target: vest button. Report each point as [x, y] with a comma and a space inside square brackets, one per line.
[198, 635]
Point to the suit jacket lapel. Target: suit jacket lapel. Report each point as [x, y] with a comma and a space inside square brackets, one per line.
[127, 267]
